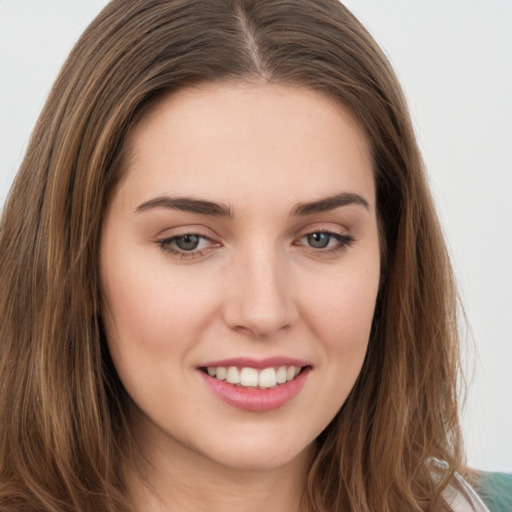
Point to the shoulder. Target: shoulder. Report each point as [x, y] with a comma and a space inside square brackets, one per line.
[461, 497]
[495, 490]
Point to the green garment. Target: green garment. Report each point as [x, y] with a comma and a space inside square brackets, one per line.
[495, 489]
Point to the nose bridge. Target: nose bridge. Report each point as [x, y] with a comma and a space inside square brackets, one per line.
[261, 296]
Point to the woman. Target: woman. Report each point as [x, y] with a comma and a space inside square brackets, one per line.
[225, 283]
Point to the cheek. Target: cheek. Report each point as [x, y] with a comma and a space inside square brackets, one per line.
[149, 304]
[341, 316]
[153, 321]
[342, 311]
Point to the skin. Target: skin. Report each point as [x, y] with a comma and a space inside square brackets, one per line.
[255, 287]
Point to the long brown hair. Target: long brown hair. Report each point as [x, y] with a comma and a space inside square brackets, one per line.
[63, 433]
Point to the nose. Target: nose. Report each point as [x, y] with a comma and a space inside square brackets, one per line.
[260, 294]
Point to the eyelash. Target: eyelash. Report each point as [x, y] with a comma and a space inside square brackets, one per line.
[344, 242]
[166, 245]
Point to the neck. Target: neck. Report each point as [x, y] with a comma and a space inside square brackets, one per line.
[180, 479]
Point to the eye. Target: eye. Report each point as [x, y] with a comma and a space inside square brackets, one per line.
[188, 242]
[326, 241]
[318, 240]
[187, 245]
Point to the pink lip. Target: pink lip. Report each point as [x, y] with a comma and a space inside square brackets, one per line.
[254, 399]
[259, 364]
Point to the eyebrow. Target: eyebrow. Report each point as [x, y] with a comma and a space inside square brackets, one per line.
[329, 203]
[189, 204]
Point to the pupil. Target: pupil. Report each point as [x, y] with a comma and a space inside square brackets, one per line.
[187, 242]
[318, 240]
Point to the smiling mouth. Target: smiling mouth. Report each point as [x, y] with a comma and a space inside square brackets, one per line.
[248, 377]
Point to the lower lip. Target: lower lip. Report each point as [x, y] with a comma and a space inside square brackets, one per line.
[254, 399]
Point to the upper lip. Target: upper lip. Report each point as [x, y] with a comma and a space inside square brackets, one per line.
[248, 362]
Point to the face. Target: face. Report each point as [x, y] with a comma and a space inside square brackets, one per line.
[240, 268]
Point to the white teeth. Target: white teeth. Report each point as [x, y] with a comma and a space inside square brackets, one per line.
[249, 377]
[267, 378]
[281, 375]
[252, 378]
[233, 375]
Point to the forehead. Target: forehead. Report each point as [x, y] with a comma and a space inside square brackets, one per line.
[241, 141]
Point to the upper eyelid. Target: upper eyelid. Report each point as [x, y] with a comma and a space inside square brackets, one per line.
[176, 232]
[322, 230]
[207, 233]
[330, 228]
[172, 238]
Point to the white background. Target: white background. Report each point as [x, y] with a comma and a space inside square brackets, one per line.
[454, 58]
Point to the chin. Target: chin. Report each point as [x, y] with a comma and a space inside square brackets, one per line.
[259, 453]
